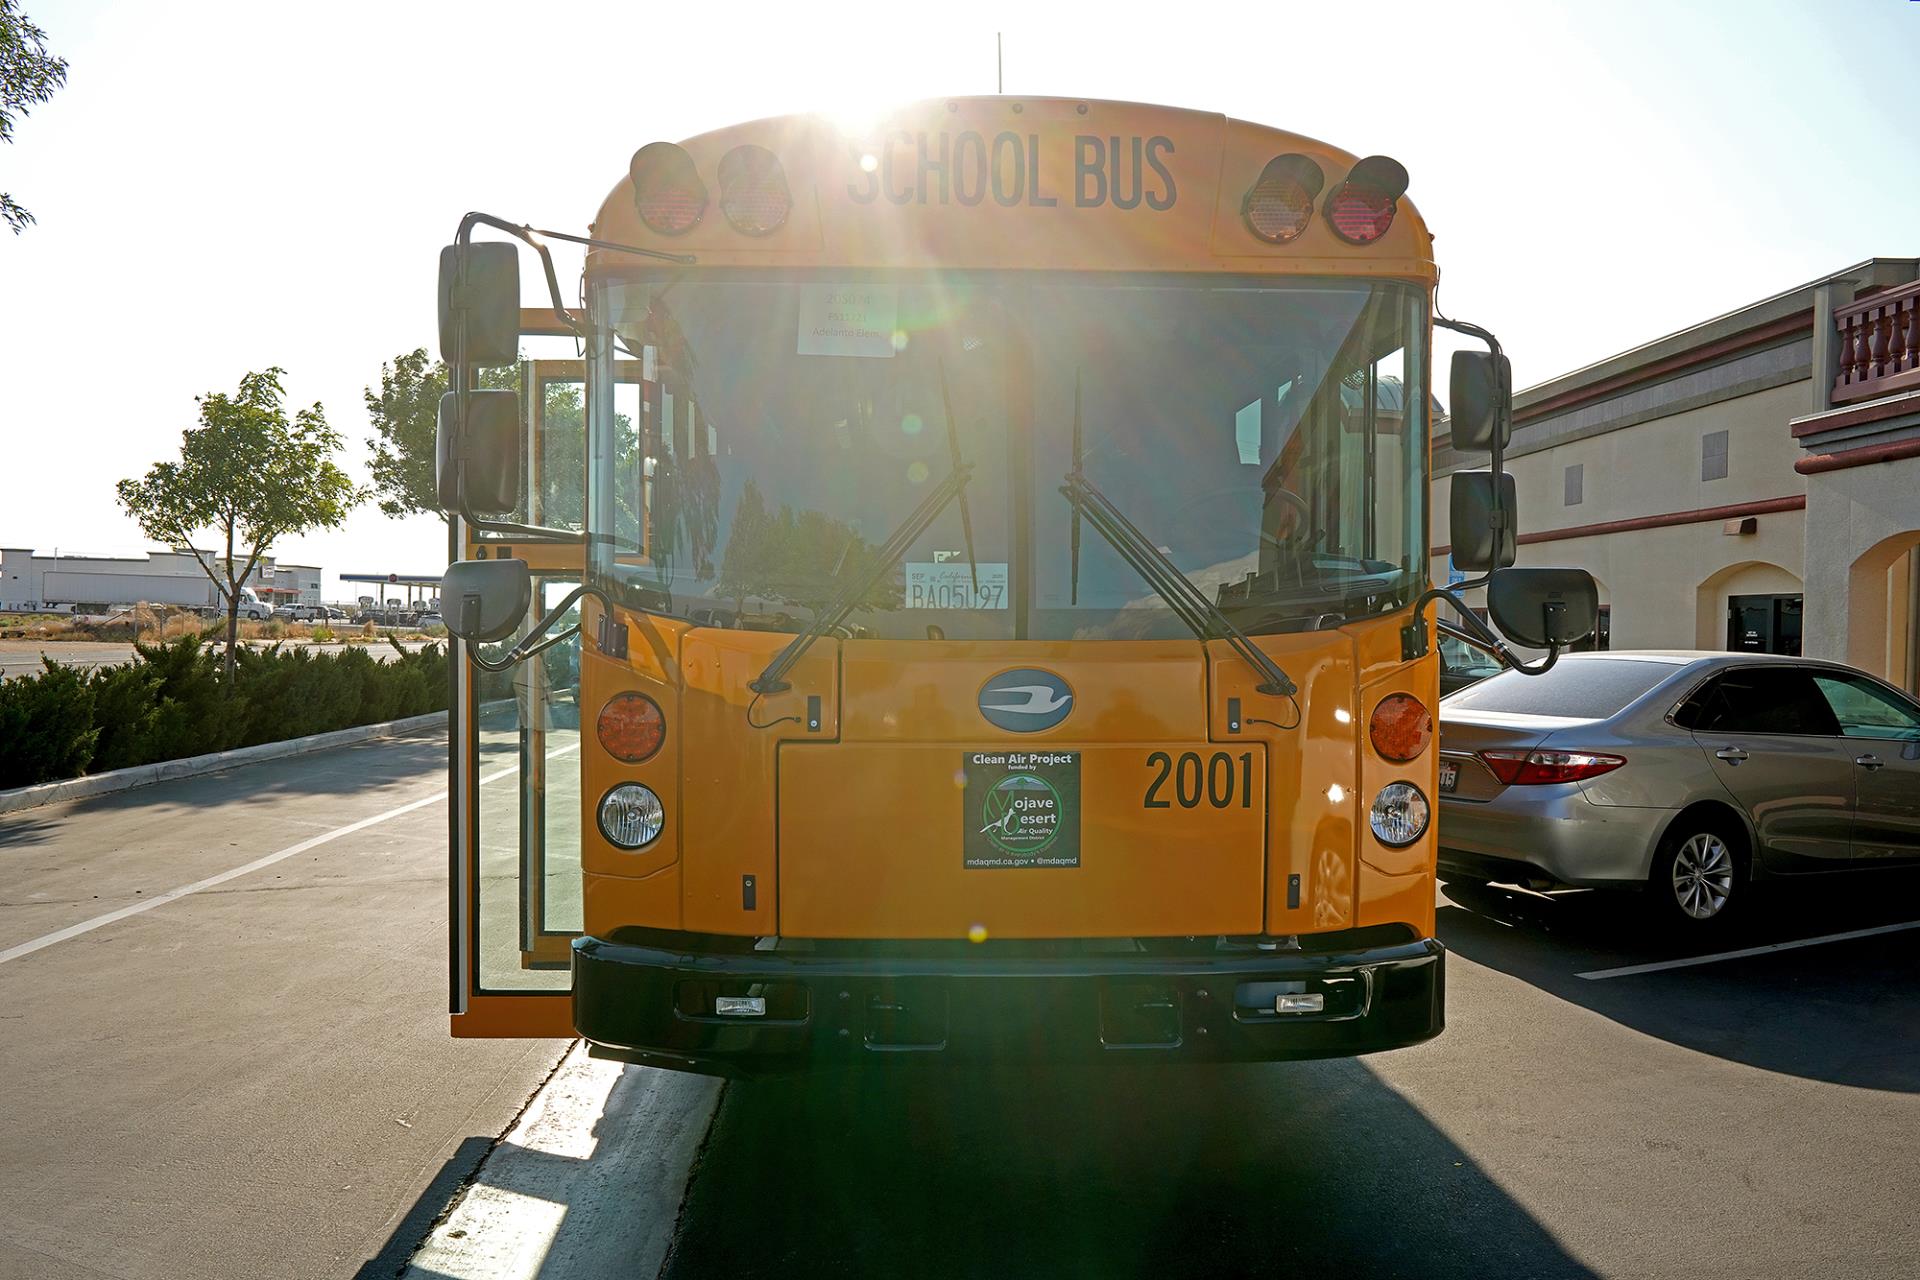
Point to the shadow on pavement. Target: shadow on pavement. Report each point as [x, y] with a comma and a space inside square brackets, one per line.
[1844, 1012]
[25, 829]
[1297, 1169]
[426, 1208]
[402, 764]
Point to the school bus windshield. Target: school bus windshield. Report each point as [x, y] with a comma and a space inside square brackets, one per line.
[1262, 434]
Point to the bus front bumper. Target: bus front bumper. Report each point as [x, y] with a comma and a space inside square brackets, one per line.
[661, 1005]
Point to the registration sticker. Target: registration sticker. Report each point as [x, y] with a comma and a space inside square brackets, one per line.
[1449, 775]
[1022, 809]
[948, 584]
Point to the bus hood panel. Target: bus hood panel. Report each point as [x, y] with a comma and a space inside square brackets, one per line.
[1068, 839]
[1053, 691]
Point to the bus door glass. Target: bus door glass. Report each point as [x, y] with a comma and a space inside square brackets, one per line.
[517, 886]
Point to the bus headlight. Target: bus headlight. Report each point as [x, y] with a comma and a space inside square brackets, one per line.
[631, 816]
[1399, 815]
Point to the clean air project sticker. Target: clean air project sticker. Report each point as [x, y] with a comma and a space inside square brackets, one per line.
[1022, 809]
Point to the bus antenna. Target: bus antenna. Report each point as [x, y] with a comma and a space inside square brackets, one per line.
[999, 65]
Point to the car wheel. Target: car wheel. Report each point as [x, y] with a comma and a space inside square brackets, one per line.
[1699, 876]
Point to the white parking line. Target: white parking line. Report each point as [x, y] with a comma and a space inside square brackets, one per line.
[1627, 971]
[172, 895]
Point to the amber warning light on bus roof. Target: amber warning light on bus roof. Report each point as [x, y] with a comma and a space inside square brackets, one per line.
[667, 189]
[753, 190]
[1279, 206]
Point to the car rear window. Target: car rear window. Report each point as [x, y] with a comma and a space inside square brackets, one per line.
[1581, 690]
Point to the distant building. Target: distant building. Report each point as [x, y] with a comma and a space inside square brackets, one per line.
[29, 580]
[1748, 483]
[295, 584]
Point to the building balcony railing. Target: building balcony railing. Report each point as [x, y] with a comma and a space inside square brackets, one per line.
[1878, 350]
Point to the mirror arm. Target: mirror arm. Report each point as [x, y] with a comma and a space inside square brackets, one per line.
[527, 647]
[515, 657]
[534, 238]
[526, 235]
[1413, 636]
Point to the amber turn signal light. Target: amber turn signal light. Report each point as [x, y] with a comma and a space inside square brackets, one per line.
[1400, 728]
[631, 727]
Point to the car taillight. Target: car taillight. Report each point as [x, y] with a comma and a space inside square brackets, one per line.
[1400, 728]
[631, 727]
[753, 190]
[1534, 768]
[1279, 206]
[667, 190]
[1361, 209]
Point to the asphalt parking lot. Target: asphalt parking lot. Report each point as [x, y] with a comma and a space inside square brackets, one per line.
[1747, 1117]
[256, 1080]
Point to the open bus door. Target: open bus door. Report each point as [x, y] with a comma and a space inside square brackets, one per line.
[515, 895]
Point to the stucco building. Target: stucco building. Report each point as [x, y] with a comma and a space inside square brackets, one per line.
[1751, 482]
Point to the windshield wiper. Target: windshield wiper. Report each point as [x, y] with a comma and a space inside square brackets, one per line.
[851, 593]
[1190, 604]
[953, 452]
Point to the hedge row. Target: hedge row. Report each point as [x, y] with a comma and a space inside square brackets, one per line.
[169, 702]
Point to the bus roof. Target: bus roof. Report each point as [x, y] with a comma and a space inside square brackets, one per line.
[1019, 183]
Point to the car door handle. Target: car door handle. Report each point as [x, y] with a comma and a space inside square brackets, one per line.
[1868, 762]
[1733, 755]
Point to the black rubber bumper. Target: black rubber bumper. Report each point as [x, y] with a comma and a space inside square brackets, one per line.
[657, 1005]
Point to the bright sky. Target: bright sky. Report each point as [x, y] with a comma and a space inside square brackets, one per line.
[223, 187]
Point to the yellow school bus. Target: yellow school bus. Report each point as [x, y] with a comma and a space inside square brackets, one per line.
[959, 594]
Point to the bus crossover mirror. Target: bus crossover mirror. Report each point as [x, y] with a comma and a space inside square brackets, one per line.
[1481, 406]
[1479, 542]
[485, 600]
[1544, 608]
[480, 304]
[483, 452]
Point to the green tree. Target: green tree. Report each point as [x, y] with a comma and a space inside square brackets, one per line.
[749, 565]
[405, 416]
[250, 475]
[28, 76]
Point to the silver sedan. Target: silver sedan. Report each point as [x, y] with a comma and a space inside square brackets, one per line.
[1687, 774]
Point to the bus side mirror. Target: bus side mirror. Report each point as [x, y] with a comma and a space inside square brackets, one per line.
[1477, 545]
[1544, 608]
[489, 442]
[485, 600]
[1481, 407]
[480, 293]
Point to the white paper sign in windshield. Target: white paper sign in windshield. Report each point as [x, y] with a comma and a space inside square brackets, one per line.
[949, 585]
[848, 319]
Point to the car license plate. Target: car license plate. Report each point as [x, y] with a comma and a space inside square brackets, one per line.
[1449, 775]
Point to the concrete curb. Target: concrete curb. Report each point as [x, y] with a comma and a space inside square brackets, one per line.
[100, 784]
[588, 1181]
